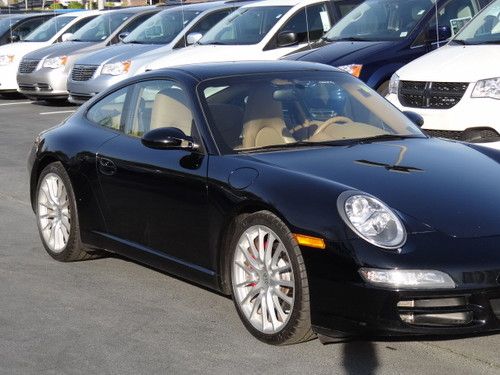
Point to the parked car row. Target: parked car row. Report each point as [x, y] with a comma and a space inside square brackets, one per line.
[375, 39]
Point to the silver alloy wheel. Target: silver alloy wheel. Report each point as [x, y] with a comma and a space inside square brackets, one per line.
[262, 277]
[53, 212]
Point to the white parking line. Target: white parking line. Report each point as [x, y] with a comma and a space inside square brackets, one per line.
[16, 103]
[54, 112]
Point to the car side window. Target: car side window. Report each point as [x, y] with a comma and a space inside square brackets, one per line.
[203, 25]
[158, 104]
[130, 26]
[109, 111]
[453, 15]
[316, 18]
[79, 24]
[23, 29]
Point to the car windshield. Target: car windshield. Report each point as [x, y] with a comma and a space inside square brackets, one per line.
[162, 28]
[483, 29]
[376, 20]
[7, 23]
[101, 27]
[263, 112]
[48, 29]
[245, 25]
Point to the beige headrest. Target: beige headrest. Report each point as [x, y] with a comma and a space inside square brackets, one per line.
[170, 110]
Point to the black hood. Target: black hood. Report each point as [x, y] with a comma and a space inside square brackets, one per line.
[340, 53]
[446, 185]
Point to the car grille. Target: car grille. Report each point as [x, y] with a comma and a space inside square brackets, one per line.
[28, 65]
[83, 72]
[435, 95]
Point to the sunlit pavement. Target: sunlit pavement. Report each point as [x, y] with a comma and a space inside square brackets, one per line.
[111, 316]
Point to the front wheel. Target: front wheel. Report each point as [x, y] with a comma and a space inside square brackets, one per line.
[57, 217]
[269, 280]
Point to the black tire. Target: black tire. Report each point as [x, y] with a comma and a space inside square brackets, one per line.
[383, 89]
[73, 251]
[298, 328]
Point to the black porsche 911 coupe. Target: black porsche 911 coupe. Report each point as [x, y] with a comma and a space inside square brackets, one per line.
[293, 187]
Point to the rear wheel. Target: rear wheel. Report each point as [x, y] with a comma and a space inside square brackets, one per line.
[269, 280]
[57, 217]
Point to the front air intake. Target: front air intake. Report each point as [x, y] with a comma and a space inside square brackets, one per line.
[438, 312]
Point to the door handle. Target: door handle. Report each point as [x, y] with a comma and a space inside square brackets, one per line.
[106, 166]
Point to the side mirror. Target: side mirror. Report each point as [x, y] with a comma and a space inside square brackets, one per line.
[67, 37]
[415, 118]
[193, 38]
[287, 38]
[122, 36]
[442, 34]
[13, 38]
[168, 138]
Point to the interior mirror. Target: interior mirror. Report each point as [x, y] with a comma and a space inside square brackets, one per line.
[67, 37]
[443, 33]
[193, 38]
[14, 38]
[287, 38]
[122, 36]
[168, 138]
[415, 118]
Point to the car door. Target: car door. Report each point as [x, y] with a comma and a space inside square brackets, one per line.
[309, 24]
[155, 199]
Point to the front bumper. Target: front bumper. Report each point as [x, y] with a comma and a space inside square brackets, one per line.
[81, 91]
[471, 119]
[44, 83]
[344, 305]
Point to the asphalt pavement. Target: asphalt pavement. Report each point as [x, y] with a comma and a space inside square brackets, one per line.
[113, 316]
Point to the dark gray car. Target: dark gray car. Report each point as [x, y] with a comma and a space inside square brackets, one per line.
[170, 29]
[47, 69]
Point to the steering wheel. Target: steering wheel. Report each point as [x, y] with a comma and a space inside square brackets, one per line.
[333, 120]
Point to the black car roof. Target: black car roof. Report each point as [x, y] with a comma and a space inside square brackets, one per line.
[222, 69]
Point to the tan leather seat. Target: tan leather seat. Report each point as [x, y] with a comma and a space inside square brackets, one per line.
[263, 123]
[170, 110]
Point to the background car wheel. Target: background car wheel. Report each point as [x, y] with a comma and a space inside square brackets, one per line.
[383, 89]
[57, 216]
[269, 280]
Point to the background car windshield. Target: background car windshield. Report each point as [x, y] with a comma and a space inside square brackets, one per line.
[380, 20]
[484, 29]
[48, 29]
[252, 112]
[101, 27]
[162, 28]
[245, 26]
[7, 23]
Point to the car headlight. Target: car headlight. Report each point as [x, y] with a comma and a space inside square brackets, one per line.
[115, 69]
[487, 88]
[371, 219]
[6, 59]
[394, 84]
[55, 62]
[407, 279]
[354, 69]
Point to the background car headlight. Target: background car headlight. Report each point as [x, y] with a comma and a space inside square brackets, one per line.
[371, 219]
[55, 62]
[394, 84]
[487, 88]
[407, 279]
[6, 59]
[354, 69]
[115, 69]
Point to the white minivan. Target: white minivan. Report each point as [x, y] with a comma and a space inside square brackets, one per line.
[456, 89]
[262, 30]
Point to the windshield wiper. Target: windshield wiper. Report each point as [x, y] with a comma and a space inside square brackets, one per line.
[385, 137]
[347, 39]
[212, 43]
[132, 42]
[300, 144]
[460, 41]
